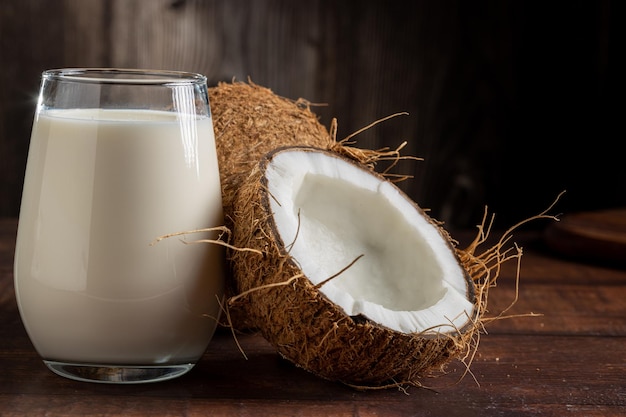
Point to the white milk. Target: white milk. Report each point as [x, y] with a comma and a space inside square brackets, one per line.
[100, 186]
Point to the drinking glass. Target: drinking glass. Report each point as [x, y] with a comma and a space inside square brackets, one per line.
[119, 158]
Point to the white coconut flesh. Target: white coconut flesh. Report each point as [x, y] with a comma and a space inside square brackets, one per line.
[329, 212]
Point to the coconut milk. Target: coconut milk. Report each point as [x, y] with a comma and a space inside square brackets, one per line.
[100, 187]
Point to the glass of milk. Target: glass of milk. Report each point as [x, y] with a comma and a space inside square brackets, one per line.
[119, 158]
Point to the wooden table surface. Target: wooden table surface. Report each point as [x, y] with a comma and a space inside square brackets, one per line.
[571, 360]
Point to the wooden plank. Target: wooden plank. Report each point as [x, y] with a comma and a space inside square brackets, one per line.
[598, 235]
[274, 43]
[538, 375]
[85, 41]
[561, 310]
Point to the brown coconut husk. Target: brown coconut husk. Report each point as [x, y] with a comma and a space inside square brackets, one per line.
[269, 292]
[317, 335]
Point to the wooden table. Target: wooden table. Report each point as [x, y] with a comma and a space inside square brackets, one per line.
[569, 361]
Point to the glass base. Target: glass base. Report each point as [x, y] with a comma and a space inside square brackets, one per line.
[111, 374]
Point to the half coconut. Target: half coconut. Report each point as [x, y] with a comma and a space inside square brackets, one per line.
[347, 277]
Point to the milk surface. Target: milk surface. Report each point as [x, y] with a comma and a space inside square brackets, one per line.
[100, 187]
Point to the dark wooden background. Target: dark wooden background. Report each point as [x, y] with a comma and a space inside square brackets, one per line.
[509, 102]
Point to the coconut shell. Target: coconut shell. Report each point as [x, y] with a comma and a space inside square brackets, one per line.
[308, 329]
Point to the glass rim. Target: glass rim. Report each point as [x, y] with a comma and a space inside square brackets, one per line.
[127, 76]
